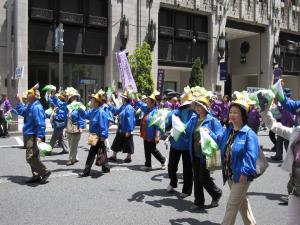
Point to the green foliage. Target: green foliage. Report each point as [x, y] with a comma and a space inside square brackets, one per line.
[196, 78]
[141, 66]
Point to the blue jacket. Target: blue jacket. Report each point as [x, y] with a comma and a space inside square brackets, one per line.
[150, 130]
[126, 118]
[61, 113]
[212, 124]
[98, 122]
[244, 152]
[34, 119]
[107, 109]
[290, 105]
[185, 115]
[77, 117]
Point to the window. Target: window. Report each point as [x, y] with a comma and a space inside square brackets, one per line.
[44, 4]
[72, 6]
[182, 21]
[165, 18]
[40, 37]
[170, 85]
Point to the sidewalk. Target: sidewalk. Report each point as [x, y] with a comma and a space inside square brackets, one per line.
[49, 129]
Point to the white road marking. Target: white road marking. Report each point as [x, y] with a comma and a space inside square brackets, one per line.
[19, 141]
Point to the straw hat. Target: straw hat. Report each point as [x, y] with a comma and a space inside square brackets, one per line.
[243, 103]
[71, 92]
[186, 99]
[204, 102]
[34, 91]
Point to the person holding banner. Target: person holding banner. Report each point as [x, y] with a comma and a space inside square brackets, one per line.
[126, 123]
[5, 108]
[150, 134]
[239, 153]
[202, 178]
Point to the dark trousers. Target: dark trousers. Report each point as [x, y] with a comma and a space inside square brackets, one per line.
[279, 146]
[3, 126]
[272, 137]
[91, 158]
[33, 157]
[203, 180]
[174, 158]
[150, 148]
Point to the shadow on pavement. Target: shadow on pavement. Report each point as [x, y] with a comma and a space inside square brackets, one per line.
[20, 180]
[57, 161]
[270, 196]
[190, 221]
[130, 167]
[178, 203]
[160, 177]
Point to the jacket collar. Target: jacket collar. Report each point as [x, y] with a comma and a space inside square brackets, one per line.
[244, 129]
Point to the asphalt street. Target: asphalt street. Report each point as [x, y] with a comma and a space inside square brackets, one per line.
[127, 195]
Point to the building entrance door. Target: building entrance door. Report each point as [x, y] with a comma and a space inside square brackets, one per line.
[86, 88]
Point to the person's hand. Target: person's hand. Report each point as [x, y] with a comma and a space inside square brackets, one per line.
[38, 140]
[157, 138]
[243, 179]
[17, 97]
[127, 134]
[80, 130]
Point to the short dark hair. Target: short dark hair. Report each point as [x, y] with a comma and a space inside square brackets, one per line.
[243, 112]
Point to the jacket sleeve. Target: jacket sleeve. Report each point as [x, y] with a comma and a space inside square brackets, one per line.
[129, 120]
[81, 117]
[217, 130]
[53, 100]
[275, 126]
[103, 122]
[8, 105]
[143, 106]
[39, 121]
[20, 109]
[248, 167]
[290, 105]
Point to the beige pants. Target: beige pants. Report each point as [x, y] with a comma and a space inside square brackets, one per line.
[73, 140]
[238, 201]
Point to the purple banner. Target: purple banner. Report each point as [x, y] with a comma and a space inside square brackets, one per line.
[125, 71]
[160, 80]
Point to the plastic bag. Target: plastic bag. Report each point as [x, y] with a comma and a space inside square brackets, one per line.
[178, 128]
[44, 148]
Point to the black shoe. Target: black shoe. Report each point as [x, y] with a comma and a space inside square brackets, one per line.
[197, 207]
[275, 158]
[105, 169]
[63, 152]
[215, 202]
[112, 159]
[82, 174]
[127, 160]
[70, 163]
[45, 178]
[33, 179]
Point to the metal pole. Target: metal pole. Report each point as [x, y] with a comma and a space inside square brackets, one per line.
[9, 48]
[61, 54]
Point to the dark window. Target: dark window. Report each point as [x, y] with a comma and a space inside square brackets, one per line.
[44, 4]
[72, 6]
[98, 8]
[165, 49]
[170, 85]
[165, 18]
[40, 37]
[201, 24]
[182, 20]
[200, 49]
[72, 39]
[182, 51]
[95, 42]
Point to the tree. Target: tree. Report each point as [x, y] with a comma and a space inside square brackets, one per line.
[196, 78]
[141, 65]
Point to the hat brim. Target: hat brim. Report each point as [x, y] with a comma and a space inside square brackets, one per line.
[202, 105]
[186, 103]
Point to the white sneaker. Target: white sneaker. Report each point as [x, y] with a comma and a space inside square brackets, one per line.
[183, 195]
[146, 168]
[164, 165]
[170, 189]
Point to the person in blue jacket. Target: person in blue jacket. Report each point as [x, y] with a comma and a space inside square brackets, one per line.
[202, 178]
[239, 152]
[59, 120]
[75, 125]
[126, 124]
[98, 125]
[150, 134]
[34, 131]
[181, 148]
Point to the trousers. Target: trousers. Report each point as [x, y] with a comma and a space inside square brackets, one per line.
[238, 201]
[33, 157]
[73, 140]
[174, 158]
[150, 149]
[58, 136]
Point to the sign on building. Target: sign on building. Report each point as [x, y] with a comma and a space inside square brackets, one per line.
[223, 71]
[160, 80]
[19, 72]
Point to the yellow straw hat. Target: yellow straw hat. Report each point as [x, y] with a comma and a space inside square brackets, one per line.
[204, 102]
[34, 91]
[186, 99]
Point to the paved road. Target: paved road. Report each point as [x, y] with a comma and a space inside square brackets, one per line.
[126, 196]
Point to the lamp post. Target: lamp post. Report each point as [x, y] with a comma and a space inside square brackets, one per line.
[276, 53]
[60, 54]
[221, 46]
[152, 34]
[124, 32]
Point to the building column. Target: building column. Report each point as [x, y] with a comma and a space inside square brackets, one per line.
[216, 25]
[268, 40]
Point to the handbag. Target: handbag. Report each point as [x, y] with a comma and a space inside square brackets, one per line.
[59, 124]
[101, 156]
[72, 128]
[93, 139]
[261, 163]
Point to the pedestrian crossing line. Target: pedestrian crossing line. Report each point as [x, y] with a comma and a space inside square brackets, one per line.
[19, 141]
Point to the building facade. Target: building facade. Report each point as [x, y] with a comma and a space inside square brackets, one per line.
[178, 31]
